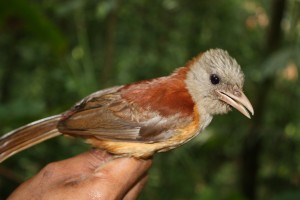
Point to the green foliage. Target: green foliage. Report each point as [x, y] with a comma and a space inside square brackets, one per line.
[279, 60]
[34, 22]
[53, 53]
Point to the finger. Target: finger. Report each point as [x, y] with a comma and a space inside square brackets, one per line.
[137, 188]
[86, 162]
[63, 172]
[80, 165]
[76, 177]
[112, 180]
[118, 176]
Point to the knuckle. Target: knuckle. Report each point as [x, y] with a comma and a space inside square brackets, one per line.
[51, 166]
[49, 170]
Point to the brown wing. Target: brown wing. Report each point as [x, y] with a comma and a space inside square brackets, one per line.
[106, 115]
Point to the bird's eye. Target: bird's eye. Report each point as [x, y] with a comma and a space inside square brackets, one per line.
[214, 78]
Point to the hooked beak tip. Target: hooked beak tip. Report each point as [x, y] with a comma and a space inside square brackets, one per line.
[238, 100]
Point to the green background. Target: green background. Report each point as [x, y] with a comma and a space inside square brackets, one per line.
[53, 53]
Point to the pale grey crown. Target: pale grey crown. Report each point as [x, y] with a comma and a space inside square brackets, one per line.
[218, 61]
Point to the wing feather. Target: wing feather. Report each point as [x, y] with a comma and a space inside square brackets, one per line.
[106, 115]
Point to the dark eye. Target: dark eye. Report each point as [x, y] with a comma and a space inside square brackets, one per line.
[214, 78]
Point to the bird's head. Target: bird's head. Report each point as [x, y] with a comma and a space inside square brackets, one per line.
[215, 81]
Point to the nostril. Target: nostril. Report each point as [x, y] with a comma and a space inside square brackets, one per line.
[237, 93]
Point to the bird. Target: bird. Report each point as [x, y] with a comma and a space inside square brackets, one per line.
[149, 116]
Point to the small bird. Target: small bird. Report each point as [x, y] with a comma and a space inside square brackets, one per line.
[142, 118]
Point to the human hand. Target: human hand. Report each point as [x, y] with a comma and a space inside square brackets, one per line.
[91, 175]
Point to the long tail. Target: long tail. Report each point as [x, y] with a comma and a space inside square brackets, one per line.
[27, 136]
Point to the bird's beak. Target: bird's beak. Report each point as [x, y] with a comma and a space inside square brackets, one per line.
[238, 100]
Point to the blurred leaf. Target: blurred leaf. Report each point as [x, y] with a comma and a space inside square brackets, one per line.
[280, 59]
[34, 21]
[288, 195]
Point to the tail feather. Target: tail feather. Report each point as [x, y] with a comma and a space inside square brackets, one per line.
[27, 136]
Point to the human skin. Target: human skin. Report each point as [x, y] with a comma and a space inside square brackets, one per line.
[92, 175]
